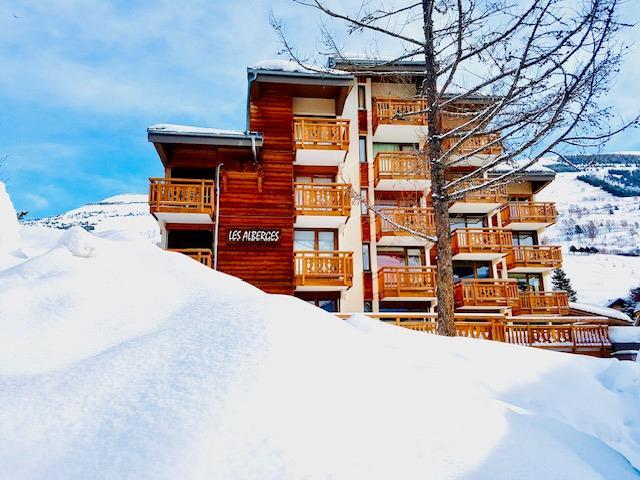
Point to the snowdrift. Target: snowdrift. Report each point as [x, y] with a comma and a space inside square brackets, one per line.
[122, 361]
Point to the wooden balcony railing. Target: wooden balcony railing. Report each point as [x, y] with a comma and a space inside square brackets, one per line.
[571, 337]
[588, 335]
[320, 133]
[485, 143]
[202, 255]
[398, 111]
[323, 268]
[486, 292]
[534, 256]
[544, 303]
[450, 120]
[529, 212]
[407, 282]
[181, 195]
[492, 194]
[481, 240]
[418, 219]
[400, 166]
[333, 199]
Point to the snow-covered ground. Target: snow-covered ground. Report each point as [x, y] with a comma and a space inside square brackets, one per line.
[128, 212]
[119, 360]
[597, 277]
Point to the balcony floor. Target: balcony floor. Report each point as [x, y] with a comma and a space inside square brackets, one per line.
[413, 185]
[174, 217]
[531, 269]
[478, 256]
[402, 241]
[528, 225]
[319, 221]
[321, 288]
[319, 157]
[474, 161]
[473, 207]
[404, 133]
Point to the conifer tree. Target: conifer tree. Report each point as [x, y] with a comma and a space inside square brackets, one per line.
[561, 282]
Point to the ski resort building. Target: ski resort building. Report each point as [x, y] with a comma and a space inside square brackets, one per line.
[307, 201]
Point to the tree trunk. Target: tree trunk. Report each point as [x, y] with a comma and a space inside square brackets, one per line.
[444, 274]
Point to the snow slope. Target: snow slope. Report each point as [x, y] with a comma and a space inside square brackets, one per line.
[127, 212]
[599, 277]
[119, 360]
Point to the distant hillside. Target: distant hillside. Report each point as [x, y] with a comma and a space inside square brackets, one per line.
[628, 159]
[128, 212]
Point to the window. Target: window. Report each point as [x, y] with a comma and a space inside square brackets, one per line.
[366, 257]
[528, 282]
[467, 221]
[368, 306]
[362, 98]
[394, 147]
[315, 178]
[328, 301]
[471, 270]
[364, 201]
[362, 149]
[400, 257]
[320, 240]
[525, 238]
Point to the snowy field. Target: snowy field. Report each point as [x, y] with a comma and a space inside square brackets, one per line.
[122, 361]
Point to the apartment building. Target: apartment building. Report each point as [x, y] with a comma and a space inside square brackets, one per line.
[288, 204]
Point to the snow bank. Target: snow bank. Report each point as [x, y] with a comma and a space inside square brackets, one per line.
[9, 227]
[120, 360]
[624, 334]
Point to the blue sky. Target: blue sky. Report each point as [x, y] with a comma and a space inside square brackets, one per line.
[80, 82]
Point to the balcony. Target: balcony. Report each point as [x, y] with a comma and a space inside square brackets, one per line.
[404, 171]
[481, 243]
[399, 120]
[320, 141]
[479, 201]
[180, 200]
[486, 293]
[417, 219]
[322, 205]
[322, 270]
[202, 255]
[544, 303]
[481, 147]
[534, 258]
[528, 215]
[407, 283]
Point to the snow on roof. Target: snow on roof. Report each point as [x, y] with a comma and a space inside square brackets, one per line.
[291, 66]
[613, 301]
[191, 130]
[600, 310]
[637, 308]
[535, 168]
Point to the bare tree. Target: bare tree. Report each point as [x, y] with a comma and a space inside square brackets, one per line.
[523, 77]
[592, 230]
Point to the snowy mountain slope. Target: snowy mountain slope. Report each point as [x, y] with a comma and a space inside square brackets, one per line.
[173, 370]
[127, 212]
[597, 277]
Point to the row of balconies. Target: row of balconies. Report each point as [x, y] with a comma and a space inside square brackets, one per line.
[173, 197]
[334, 269]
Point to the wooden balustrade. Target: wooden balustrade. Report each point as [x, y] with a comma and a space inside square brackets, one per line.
[181, 195]
[400, 166]
[398, 111]
[481, 240]
[202, 255]
[486, 292]
[323, 268]
[541, 303]
[534, 256]
[573, 337]
[320, 133]
[481, 144]
[529, 212]
[406, 282]
[492, 194]
[586, 335]
[450, 120]
[418, 219]
[333, 199]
